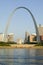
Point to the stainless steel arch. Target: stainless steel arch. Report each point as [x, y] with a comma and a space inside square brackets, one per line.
[34, 21]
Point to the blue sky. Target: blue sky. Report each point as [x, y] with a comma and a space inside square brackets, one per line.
[21, 20]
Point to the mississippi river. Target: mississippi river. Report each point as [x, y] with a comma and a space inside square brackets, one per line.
[21, 56]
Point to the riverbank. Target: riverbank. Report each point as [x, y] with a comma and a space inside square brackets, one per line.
[21, 46]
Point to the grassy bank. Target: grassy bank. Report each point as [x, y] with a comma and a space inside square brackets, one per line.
[4, 44]
[25, 45]
[39, 44]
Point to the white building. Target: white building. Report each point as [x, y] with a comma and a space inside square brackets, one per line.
[19, 41]
[1, 37]
[9, 38]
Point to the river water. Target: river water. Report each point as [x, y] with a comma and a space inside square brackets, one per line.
[21, 56]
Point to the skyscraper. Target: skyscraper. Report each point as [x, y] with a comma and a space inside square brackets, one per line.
[26, 37]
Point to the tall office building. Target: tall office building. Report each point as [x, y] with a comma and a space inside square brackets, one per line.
[40, 29]
[26, 37]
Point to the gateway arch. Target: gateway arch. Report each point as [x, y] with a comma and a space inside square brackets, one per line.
[10, 17]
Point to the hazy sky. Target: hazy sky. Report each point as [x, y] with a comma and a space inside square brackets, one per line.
[21, 20]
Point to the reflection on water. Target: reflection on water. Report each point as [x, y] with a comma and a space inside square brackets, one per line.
[21, 56]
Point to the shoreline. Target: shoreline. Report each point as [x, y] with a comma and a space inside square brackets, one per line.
[21, 46]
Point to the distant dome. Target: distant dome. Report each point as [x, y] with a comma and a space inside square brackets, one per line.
[34, 34]
[11, 34]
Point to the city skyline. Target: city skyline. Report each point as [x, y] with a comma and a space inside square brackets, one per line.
[21, 21]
